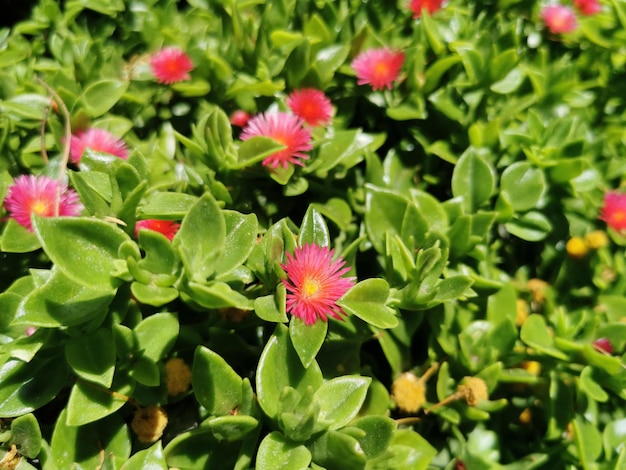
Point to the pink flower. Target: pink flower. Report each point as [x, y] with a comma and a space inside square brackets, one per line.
[378, 67]
[588, 7]
[431, 6]
[614, 210]
[164, 227]
[559, 19]
[311, 105]
[240, 118]
[286, 129]
[97, 140]
[38, 195]
[314, 283]
[171, 65]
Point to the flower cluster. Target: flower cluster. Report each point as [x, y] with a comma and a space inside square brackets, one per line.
[562, 18]
[613, 212]
[378, 67]
[97, 140]
[171, 65]
[418, 6]
[164, 227]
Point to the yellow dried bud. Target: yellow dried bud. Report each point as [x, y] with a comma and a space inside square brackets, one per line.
[178, 376]
[576, 247]
[522, 312]
[596, 239]
[526, 416]
[409, 392]
[11, 459]
[473, 389]
[537, 289]
[149, 423]
[532, 367]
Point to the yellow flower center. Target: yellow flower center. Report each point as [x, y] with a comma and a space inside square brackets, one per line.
[310, 287]
[39, 207]
[381, 69]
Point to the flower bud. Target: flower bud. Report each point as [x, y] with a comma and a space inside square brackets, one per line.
[149, 423]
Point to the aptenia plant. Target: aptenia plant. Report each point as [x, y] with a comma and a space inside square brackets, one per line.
[313, 235]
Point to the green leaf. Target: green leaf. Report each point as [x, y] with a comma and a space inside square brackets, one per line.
[26, 435]
[276, 452]
[231, 428]
[83, 249]
[523, 185]
[280, 367]
[307, 339]
[218, 295]
[167, 205]
[157, 334]
[535, 334]
[240, 239]
[255, 150]
[79, 444]
[378, 433]
[201, 238]
[532, 226]
[60, 302]
[101, 96]
[17, 239]
[90, 402]
[27, 386]
[473, 180]
[384, 211]
[147, 459]
[92, 357]
[199, 449]
[313, 229]
[215, 384]
[367, 300]
[340, 399]
[272, 307]
[335, 449]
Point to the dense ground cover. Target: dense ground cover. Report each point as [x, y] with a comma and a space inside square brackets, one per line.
[313, 234]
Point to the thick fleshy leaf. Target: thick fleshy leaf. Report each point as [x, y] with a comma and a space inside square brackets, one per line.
[313, 229]
[473, 180]
[91, 402]
[367, 300]
[231, 428]
[92, 357]
[378, 433]
[255, 150]
[535, 333]
[84, 249]
[218, 295]
[241, 236]
[201, 237]
[523, 185]
[147, 459]
[17, 239]
[157, 334]
[216, 385]
[60, 301]
[532, 226]
[167, 205]
[307, 339]
[280, 367]
[199, 449]
[102, 95]
[27, 386]
[335, 449]
[340, 399]
[79, 444]
[26, 435]
[272, 307]
[277, 452]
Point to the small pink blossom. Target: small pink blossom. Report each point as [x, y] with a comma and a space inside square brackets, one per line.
[240, 118]
[286, 129]
[378, 67]
[588, 7]
[38, 195]
[614, 210]
[171, 65]
[559, 19]
[311, 105]
[164, 227]
[314, 283]
[97, 140]
[431, 6]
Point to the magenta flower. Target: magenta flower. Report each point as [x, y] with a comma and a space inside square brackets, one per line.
[38, 195]
[378, 67]
[164, 227]
[286, 129]
[603, 345]
[559, 19]
[614, 210]
[314, 283]
[588, 7]
[171, 65]
[97, 140]
[431, 6]
[311, 105]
